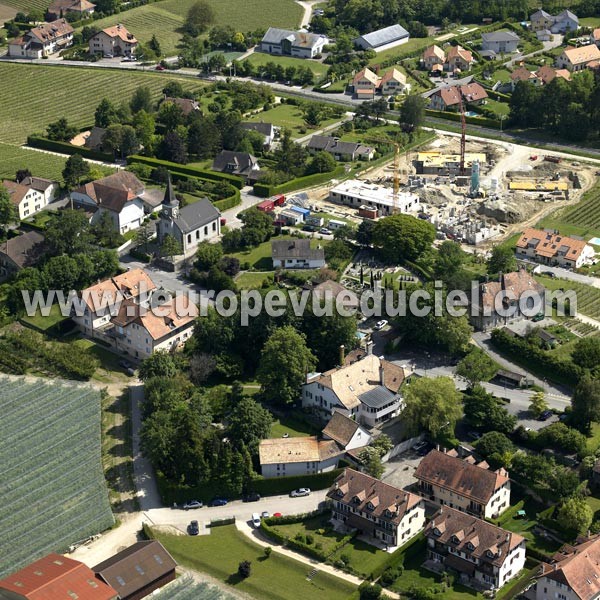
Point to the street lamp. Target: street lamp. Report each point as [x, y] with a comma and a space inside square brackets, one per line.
[502, 117]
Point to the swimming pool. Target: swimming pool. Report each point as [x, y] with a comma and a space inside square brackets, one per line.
[595, 241]
[471, 113]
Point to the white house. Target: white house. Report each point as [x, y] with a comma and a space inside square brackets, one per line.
[346, 432]
[578, 59]
[42, 40]
[191, 225]
[30, 195]
[113, 41]
[296, 254]
[61, 8]
[500, 42]
[119, 195]
[280, 457]
[267, 130]
[482, 554]
[551, 248]
[383, 39]
[561, 23]
[300, 44]
[471, 487]
[382, 513]
[367, 390]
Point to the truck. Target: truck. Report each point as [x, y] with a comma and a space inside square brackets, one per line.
[552, 159]
[266, 206]
[279, 199]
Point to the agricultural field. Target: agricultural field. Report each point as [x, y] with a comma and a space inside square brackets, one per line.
[185, 588]
[53, 492]
[243, 16]
[588, 297]
[72, 92]
[260, 58]
[26, 5]
[41, 164]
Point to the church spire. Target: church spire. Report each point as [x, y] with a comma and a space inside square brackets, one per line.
[170, 198]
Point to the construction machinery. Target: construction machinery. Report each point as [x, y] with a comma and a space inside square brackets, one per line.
[463, 133]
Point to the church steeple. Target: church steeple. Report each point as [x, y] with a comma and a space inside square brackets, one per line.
[170, 202]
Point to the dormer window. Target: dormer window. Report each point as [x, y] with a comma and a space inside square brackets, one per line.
[339, 493]
[370, 506]
[356, 500]
[436, 532]
[490, 554]
[470, 547]
[455, 539]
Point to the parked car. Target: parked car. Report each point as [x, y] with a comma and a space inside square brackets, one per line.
[380, 325]
[193, 528]
[300, 492]
[265, 514]
[160, 68]
[125, 364]
[325, 231]
[108, 55]
[425, 448]
[550, 274]
[473, 435]
[218, 502]
[545, 415]
[255, 520]
[252, 497]
[309, 228]
[419, 446]
[192, 504]
[277, 515]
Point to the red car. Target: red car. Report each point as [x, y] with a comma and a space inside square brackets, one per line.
[277, 515]
[160, 68]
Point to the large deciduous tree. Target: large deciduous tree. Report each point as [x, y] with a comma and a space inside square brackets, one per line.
[76, 169]
[476, 367]
[502, 260]
[199, 16]
[586, 403]
[403, 237]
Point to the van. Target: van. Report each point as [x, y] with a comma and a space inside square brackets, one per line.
[255, 520]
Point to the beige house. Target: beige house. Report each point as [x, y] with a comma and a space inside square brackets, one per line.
[433, 56]
[577, 59]
[61, 8]
[42, 40]
[393, 82]
[541, 20]
[280, 457]
[483, 555]
[573, 573]
[365, 84]
[384, 514]
[30, 195]
[459, 59]
[113, 41]
[471, 487]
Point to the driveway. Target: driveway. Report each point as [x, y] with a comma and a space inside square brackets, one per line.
[249, 199]
[567, 274]
[399, 471]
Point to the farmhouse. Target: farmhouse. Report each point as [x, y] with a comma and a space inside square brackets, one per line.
[120, 195]
[449, 97]
[381, 512]
[340, 150]
[367, 389]
[499, 42]
[573, 573]
[237, 163]
[61, 8]
[433, 56]
[42, 40]
[138, 570]
[191, 225]
[113, 41]
[577, 59]
[482, 554]
[346, 432]
[550, 248]
[448, 480]
[280, 457]
[55, 576]
[18, 252]
[296, 254]
[31, 194]
[300, 44]
[353, 192]
[459, 59]
[561, 23]
[267, 130]
[512, 290]
[383, 39]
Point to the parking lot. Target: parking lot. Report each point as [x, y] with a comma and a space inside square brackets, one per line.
[399, 471]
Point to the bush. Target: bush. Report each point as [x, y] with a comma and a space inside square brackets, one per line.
[245, 569]
[268, 551]
[265, 190]
[65, 148]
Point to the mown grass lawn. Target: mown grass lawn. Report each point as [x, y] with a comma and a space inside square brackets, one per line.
[292, 426]
[45, 323]
[250, 280]
[109, 371]
[261, 58]
[275, 578]
[500, 108]
[73, 93]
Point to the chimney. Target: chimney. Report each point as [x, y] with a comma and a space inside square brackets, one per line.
[381, 374]
[342, 355]
[369, 348]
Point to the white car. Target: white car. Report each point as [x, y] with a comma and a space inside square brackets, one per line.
[265, 514]
[300, 492]
[192, 504]
[380, 325]
[255, 520]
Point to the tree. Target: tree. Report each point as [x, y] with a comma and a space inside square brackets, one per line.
[199, 16]
[130, 142]
[248, 423]
[141, 100]
[106, 114]
[502, 260]
[476, 367]
[448, 260]
[575, 514]
[113, 139]
[290, 157]
[344, 233]
[538, 404]
[433, 405]
[75, 170]
[145, 125]
[364, 234]
[170, 115]
[412, 111]
[284, 362]
[154, 45]
[369, 591]
[402, 237]
[245, 569]
[312, 114]
[586, 353]
[105, 231]
[8, 211]
[371, 461]
[143, 236]
[61, 131]
[170, 247]
[22, 174]
[208, 255]
[484, 411]
[496, 448]
[321, 162]
[585, 403]
[159, 364]
[173, 148]
[62, 273]
[68, 232]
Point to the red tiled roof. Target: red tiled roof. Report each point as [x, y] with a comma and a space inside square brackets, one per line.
[548, 244]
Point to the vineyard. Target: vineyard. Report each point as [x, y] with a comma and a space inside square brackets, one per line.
[72, 92]
[185, 588]
[27, 5]
[53, 491]
[588, 298]
[41, 164]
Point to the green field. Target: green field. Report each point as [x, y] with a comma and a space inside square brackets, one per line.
[260, 58]
[588, 298]
[275, 578]
[292, 426]
[72, 92]
[27, 5]
[165, 18]
[13, 158]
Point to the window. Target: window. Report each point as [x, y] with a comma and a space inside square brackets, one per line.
[206, 230]
[197, 234]
[189, 238]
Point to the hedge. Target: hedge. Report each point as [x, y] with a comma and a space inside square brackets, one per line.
[177, 168]
[397, 557]
[222, 522]
[230, 202]
[36, 141]
[264, 190]
[454, 116]
[284, 485]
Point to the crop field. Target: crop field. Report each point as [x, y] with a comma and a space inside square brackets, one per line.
[588, 297]
[41, 164]
[53, 492]
[185, 588]
[72, 92]
[27, 5]
[165, 18]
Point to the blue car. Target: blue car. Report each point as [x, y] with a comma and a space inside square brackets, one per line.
[218, 502]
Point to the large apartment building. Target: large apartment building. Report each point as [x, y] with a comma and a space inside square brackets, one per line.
[470, 487]
[384, 513]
